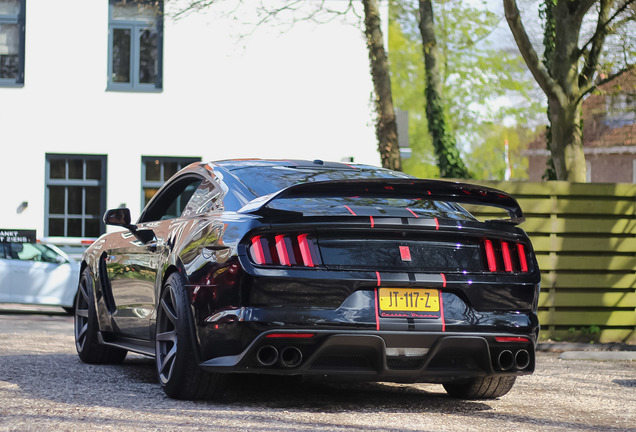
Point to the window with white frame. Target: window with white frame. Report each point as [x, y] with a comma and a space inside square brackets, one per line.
[135, 45]
[12, 26]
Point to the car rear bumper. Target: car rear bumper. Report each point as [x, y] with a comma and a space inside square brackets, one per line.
[383, 356]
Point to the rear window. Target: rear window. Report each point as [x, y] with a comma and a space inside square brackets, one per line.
[266, 180]
[368, 206]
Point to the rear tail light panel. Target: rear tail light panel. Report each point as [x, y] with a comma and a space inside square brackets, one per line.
[504, 256]
[300, 250]
[285, 250]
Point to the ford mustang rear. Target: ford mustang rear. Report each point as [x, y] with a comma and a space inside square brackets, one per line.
[313, 268]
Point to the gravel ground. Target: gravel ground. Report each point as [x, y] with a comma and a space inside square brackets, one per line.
[44, 386]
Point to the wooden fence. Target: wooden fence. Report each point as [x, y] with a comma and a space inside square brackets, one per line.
[584, 236]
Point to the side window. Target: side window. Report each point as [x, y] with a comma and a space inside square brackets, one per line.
[48, 254]
[207, 198]
[172, 201]
[25, 252]
[156, 170]
[135, 45]
[12, 26]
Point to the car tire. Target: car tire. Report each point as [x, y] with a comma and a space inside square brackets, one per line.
[175, 356]
[481, 388]
[85, 324]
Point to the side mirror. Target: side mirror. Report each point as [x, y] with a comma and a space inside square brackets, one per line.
[121, 217]
[118, 217]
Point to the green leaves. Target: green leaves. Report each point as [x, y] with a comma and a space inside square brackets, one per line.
[475, 76]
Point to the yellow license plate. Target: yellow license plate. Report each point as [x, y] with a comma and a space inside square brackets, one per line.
[409, 299]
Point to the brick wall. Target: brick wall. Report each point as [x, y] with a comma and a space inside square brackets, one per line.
[609, 135]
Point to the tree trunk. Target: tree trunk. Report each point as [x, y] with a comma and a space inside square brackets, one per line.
[568, 75]
[448, 158]
[386, 127]
[566, 145]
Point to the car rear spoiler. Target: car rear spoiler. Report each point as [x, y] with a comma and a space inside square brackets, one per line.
[436, 190]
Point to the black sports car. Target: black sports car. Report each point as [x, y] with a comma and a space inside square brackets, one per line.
[313, 268]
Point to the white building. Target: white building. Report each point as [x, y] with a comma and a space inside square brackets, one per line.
[100, 102]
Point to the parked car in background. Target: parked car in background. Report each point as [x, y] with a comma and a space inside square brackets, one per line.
[291, 267]
[37, 274]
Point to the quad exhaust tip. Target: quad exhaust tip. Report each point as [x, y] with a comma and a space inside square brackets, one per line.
[506, 360]
[289, 357]
[522, 359]
[519, 360]
[267, 355]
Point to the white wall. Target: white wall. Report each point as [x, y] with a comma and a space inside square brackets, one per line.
[301, 94]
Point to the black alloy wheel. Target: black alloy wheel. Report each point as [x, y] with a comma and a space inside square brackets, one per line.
[177, 368]
[85, 327]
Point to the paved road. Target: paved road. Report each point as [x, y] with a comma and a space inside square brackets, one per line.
[44, 386]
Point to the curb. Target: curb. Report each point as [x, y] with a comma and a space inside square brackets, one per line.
[599, 355]
[560, 347]
[587, 351]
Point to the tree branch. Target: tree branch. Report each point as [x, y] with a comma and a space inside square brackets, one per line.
[538, 70]
[605, 80]
[583, 7]
[607, 23]
[194, 5]
[273, 13]
[597, 40]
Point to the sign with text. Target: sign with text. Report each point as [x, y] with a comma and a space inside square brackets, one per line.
[17, 236]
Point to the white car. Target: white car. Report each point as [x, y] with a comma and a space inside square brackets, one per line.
[37, 273]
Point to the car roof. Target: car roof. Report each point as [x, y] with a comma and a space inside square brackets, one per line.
[233, 164]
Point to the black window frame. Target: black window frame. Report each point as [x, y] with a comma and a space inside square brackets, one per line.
[20, 20]
[135, 26]
[70, 182]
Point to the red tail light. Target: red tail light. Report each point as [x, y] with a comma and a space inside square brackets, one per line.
[283, 248]
[290, 335]
[289, 250]
[490, 256]
[511, 339]
[257, 250]
[522, 257]
[502, 256]
[305, 251]
[506, 256]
